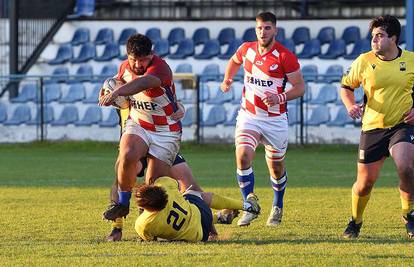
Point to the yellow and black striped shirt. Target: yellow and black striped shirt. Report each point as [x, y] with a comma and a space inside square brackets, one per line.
[388, 87]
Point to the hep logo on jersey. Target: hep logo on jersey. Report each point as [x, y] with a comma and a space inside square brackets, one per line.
[143, 105]
[259, 82]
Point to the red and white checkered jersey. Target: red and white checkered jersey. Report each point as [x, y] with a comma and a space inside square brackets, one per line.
[153, 107]
[265, 73]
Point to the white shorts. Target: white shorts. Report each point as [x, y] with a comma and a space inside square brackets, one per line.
[274, 132]
[162, 145]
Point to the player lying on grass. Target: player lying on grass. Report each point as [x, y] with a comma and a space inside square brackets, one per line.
[170, 215]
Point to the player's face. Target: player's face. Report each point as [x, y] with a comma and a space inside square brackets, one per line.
[381, 42]
[265, 33]
[139, 65]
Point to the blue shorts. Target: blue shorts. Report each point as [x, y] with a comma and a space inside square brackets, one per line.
[206, 215]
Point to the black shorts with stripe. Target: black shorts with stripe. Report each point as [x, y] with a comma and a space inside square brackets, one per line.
[376, 144]
[206, 214]
[178, 159]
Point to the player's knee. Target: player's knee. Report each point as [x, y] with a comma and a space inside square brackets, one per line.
[405, 172]
[244, 160]
[363, 188]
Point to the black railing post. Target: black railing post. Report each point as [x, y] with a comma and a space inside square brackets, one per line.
[14, 46]
[302, 120]
[42, 111]
[197, 104]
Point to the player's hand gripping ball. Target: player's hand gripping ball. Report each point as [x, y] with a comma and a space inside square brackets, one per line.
[109, 86]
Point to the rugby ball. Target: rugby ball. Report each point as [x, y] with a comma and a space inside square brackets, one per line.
[109, 86]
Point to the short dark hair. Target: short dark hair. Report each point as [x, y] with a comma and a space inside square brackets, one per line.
[389, 23]
[139, 45]
[151, 197]
[267, 16]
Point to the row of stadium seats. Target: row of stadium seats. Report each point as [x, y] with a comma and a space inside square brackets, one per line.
[212, 46]
[211, 115]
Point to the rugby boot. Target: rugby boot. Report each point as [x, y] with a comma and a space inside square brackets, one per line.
[352, 230]
[275, 216]
[251, 212]
[226, 216]
[115, 235]
[115, 210]
[409, 224]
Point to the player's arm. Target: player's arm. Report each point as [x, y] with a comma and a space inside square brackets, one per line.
[232, 67]
[133, 87]
[297, 90]
[348, 98]
[179, 114]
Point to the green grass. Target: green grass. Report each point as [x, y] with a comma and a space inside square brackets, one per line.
[53, 194]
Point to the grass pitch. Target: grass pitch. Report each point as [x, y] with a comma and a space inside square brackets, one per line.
[53, 194]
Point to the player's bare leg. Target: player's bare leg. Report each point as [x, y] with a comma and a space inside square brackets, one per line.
[132, 148]
[183, 174]
[156, 168]
[402, 154]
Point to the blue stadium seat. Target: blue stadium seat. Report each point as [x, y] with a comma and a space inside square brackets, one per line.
[213, 115]
[84, 73]
[28, 92]
[189, 96]
[337, 48]
[308, 94]
[320, 115]
[83, 8]
[239, 75]
[211, 72]
[63, 55]
[75, 93]
[189, 117]
[108, 70]
[81, 36]
[48, 116]
[86, 53]
[112, 120]
[68, 115]
[341, 119]
[359, 95]
[333, 73]
[326, 35]
[361, 46]
[351, 35]
[311, 49]
[20, 115]
[281, 35]
[179, 91]
[176, 35]
[226, 35]
[154, 34]
[237, 88]
[249, 35]
[289, 44]
[232, 116]
[310, 72]
[233, 46]
[123, 37]
[210, 50]
[52, 92]
[301, 35]
[110, 52]
[402, 39]
[93, 115]
[293, 115]
[162, 48]
[201, 36]
[59, 74]
[327, 94]
[184, 68]
[221, 98]
[92, 98]
[3, 113]
[185, 49]
[104, 36]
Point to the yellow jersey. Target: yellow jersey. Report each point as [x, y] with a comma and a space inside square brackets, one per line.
[179, 220]
[388, 87]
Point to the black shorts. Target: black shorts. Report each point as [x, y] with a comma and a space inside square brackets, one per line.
[376, 144]
[178, 159]
[206, 215]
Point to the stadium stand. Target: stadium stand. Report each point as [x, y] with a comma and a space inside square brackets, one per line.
[176, 36]
[87, 52]
[213, 115]
[301, 35]
[337, 48]
[211, 49]
[111, 51]
[108, 70]
[281, 35]
[63, 55]
[20, 115]
[342, 118]
[326, 35]
[28, 92]
[93, 115]
[184, 68]
[311, 49]
[320, 115]
[104, 36]
[52, 92]
[81, 36]
[232, 115]
[310, 72]
[112, 120]
[351, 35]
[333, 73]
[161, 48]
[123, 37]
[92, 98]
[289, 44]
[154, 34]
[59, 74]
[211, 72]
[75, 93]
[48, 116]
[84, 73]
[69, 115]
[402, 39]
[231, 49]
[327, 94]
[361, 46]
[189, 118]
[201, 36]
[3, 113]
[249, 35]
[226, 35]
[185, 49]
